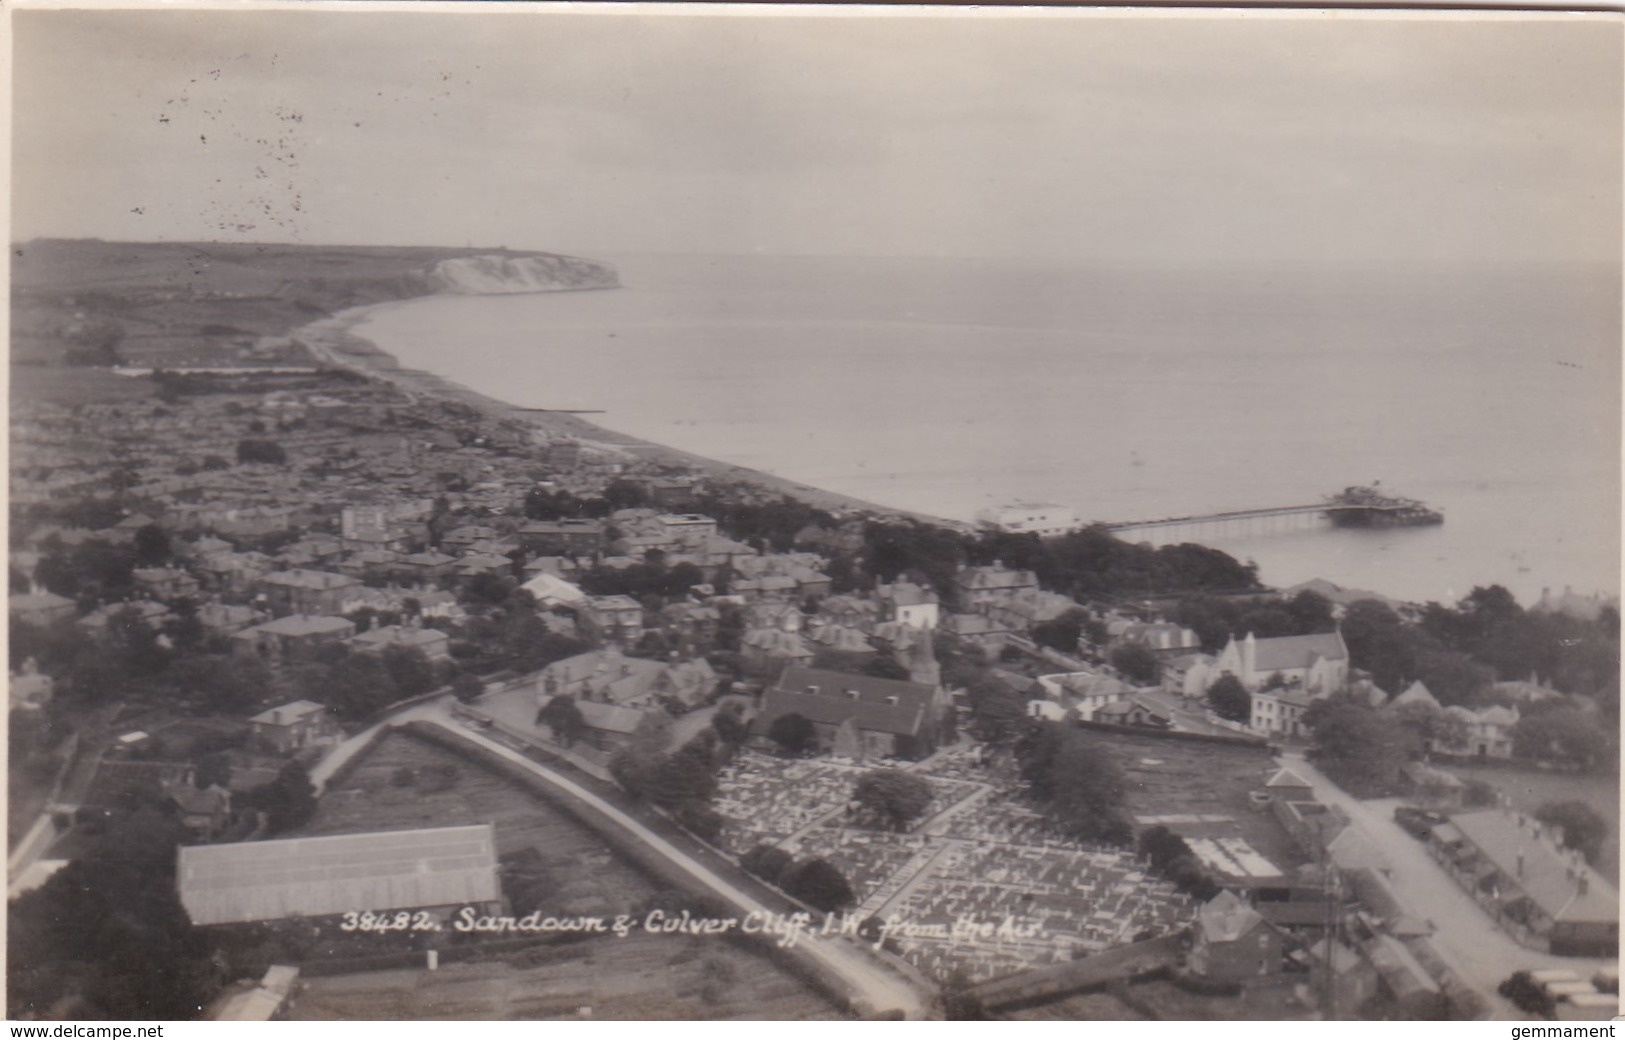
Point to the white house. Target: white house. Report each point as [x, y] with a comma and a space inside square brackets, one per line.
[1045, 519]
[1280, 712]
[908, 603]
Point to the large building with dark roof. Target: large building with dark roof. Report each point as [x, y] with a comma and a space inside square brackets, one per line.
[438, 869]
[859, 716]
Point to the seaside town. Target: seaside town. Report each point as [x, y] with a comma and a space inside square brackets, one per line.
[334, 695]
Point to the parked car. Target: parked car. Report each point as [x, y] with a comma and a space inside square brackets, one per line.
[1418, 823]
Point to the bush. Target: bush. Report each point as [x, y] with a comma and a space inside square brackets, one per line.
[767, 862]
[1525, 992]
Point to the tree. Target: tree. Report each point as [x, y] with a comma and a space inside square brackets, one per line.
[356, 686]
[1378, 643]
[1081, 788]
[1230, 700]
[563, 716]
[688, 776]
[467, 688]
[151, 546]
[1437, 729]
[894, 794]
[1583, 827]
[819, 884]
[1171, 856]
[730, 725]
[636, 765]
[251, 449]
[288, 801]
[106, 936]
[1359, 748]
[998, 713]
[1311, 612]
[410, 669]
[230, 684]
[767, 862]
[213, 769]
[792, 732]
[1061, 633]
[959, 1000]
[1137, 663]
[1563, 735]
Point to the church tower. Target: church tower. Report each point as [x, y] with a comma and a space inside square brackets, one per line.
[922, 662]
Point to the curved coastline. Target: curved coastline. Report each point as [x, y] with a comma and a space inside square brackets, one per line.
[334, 341]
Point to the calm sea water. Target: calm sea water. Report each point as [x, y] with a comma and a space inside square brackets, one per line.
[947, 385]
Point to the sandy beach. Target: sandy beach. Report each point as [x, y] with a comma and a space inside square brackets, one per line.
[334, 341]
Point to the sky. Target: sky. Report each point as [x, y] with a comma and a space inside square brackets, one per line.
[1127, 136]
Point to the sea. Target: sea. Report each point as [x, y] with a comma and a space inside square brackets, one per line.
[945, 386]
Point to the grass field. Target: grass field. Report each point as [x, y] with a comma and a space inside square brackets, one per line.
[1172, 777]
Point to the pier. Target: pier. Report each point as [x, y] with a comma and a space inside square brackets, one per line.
[1353, 507]
[1239, 521]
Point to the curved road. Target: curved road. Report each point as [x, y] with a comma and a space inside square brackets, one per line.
[874, 989]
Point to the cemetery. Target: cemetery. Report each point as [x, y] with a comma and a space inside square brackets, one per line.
[980, 884]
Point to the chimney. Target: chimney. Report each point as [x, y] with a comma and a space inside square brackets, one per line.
[1585, 884]
[1520, 863]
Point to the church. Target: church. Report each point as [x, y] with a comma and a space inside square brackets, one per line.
[1318, 664]
[860, 717]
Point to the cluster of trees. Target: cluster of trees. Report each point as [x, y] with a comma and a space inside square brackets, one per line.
[510, 634]
[894, 795]
[356, 684]
[544, 504]
[1077, 783]
[1359, 747]
[1459, 651]
[106, 937]
[1555, 732]
[651, 582]
[1093, 563]
[131, 660]
[1584, 829]
[1574, 655]
[683, 781]
[287, 802]
[766, 525]
[1215, 619]
[1172, 857]
[816, 881]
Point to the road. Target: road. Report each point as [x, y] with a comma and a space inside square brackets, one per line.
[874, 988]
[1468, 939]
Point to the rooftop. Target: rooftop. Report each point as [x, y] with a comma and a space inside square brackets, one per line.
[1549, 878]
[318, 877]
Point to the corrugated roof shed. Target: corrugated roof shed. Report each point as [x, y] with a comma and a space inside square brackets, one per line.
[318, 877]
[1547, 877]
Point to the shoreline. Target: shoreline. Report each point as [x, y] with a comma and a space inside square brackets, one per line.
[334, 341]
